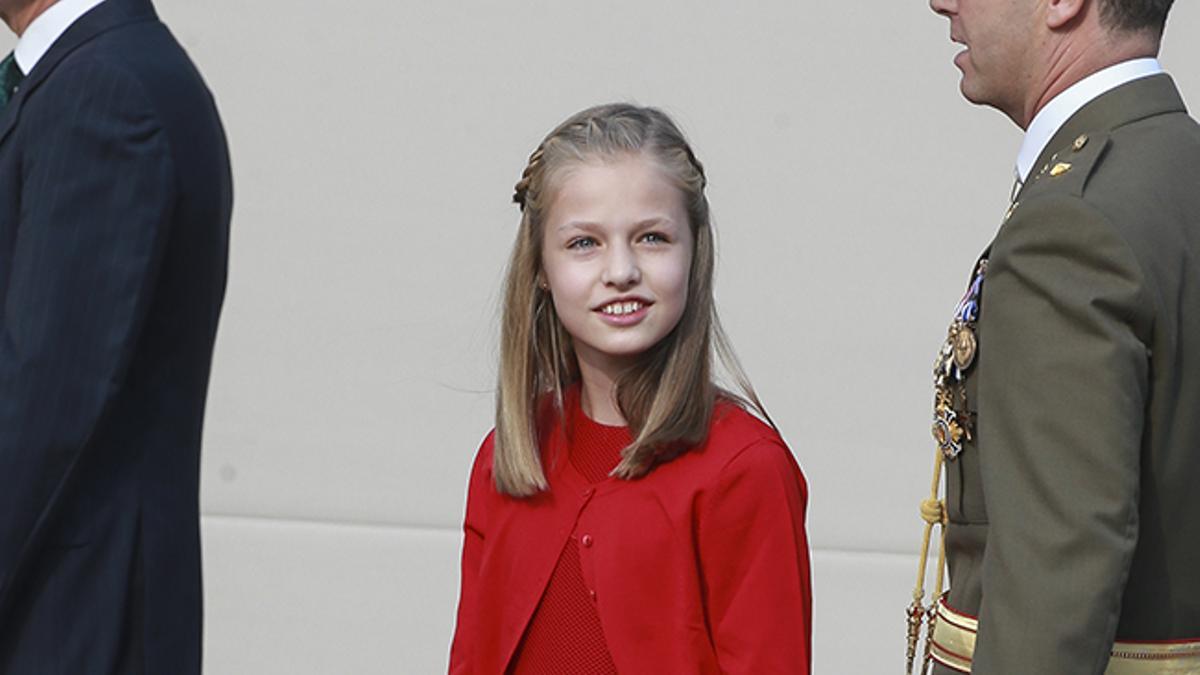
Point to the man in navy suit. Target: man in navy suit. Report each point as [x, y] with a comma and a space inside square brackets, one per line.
[115, 197]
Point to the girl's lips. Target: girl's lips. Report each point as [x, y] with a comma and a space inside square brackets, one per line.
[627, 319]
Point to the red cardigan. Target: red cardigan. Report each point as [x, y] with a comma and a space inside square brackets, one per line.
[699, 567]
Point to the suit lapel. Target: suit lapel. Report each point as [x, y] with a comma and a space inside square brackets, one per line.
[104, 17]
[8, 117]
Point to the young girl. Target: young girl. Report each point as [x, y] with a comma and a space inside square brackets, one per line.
[626, 515]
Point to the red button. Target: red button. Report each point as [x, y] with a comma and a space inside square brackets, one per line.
[586, 541]
[592, 594]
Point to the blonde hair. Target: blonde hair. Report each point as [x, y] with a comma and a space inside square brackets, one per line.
[667, 397]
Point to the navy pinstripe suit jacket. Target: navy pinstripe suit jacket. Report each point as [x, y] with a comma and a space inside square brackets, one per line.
[115, 197]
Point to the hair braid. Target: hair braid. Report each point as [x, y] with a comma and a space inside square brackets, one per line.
[521, 189]
[695, 162]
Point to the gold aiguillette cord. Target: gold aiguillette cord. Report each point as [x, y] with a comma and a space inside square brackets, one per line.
[933, 512]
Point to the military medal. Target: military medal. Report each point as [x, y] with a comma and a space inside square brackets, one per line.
[951, 422]
[947, 430]
[964, 346]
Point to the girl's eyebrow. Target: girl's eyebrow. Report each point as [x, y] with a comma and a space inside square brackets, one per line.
[641, 224]
[578, 224]
[653, 221]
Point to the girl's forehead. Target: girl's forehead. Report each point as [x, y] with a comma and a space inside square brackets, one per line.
[629, 174]
[615, 192]
[566, 166]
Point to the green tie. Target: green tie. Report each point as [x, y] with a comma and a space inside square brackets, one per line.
[10, 77]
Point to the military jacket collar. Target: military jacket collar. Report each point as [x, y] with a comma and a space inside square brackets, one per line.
[1130, 102]
[1051, 117]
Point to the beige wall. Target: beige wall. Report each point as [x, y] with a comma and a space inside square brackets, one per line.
[375, 147]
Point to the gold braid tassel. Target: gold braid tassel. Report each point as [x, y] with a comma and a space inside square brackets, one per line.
[933, 512]
[913, 614]
[931, 610]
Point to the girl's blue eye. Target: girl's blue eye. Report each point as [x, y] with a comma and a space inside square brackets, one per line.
[654, 238]
[582, 243]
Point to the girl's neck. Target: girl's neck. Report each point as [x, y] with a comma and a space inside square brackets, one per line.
[598, 396]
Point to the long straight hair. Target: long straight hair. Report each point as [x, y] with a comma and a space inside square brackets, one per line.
[667, 396]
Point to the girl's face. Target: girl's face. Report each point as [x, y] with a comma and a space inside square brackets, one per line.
[616, 256]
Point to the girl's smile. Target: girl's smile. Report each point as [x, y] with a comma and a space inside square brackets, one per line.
[625, 311]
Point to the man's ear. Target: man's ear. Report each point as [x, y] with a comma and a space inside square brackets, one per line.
[1060, 13]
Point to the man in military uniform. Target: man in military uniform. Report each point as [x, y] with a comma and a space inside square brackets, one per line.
[1068, 408]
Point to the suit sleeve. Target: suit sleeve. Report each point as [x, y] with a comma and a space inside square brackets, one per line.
[1064, 317]
[96, 195]
[463, 646]
[755, 565]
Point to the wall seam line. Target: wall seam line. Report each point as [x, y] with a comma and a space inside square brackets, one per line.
[440, 530]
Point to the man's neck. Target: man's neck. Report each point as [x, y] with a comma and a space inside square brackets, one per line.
[19, 17]
[1073, 60]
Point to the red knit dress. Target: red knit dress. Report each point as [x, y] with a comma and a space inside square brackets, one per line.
[564, 635]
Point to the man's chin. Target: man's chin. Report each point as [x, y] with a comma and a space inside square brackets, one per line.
[970, 90]
[969, 84]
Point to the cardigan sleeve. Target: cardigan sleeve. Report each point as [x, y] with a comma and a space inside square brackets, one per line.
[754, 558]
[462, 648]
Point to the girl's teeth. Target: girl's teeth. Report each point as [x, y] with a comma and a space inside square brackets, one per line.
[618, 309]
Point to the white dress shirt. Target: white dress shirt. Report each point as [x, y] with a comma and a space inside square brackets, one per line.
[1055, 114]
[46, 29]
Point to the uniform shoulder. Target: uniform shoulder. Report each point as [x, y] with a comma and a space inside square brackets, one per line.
[1155, 158]
[1120, 177]
[1132, 186]
[1147, 158]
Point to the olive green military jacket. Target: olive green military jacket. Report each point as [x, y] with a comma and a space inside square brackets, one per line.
[1075, 510]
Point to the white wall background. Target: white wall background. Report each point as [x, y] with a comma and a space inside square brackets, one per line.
[375, 147]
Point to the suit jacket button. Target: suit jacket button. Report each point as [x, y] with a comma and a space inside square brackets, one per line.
[586, 540]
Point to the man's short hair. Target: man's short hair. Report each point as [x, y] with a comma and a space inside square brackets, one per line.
[1135, 15]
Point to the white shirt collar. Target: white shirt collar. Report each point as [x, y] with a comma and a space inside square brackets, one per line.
[1055, 114]
[46, 29]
